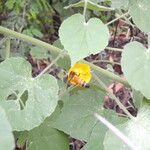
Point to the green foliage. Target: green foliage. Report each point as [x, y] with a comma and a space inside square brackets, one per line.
[64, 61]
[77, 116]
[39, 53]
[139, 11]
[137, 130]
[25, 113]
[76, 36]
[13, 4]
[43, 110]
[33, 32]
[137, 73]
[120, 4]
[45, 136]
[7, 139]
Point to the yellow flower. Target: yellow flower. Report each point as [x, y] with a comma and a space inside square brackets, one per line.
[79, 74]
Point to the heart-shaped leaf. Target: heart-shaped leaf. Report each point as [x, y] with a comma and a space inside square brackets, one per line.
[6, 136]
[82, 39]
[140, 10]
[77, 116]
[27, 101]
[44, 137]
[136, 66]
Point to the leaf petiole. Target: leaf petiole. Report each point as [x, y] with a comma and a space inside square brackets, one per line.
[113, 96]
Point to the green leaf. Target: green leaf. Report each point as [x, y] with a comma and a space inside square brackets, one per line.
[39, 53]
[136, 65]
[31, 31]
[98, 133]
[120, 3]
[7, 140]
[90, 5]
[139, 10]
[137, 130]
[36, 32]
[27, 101]
[10, 4]
[77, 115]
[137, 98]
[45, 137]
[82, 39]
[94, 144]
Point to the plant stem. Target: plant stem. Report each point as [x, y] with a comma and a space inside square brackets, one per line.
[84, 10]
[7, 48]
[8, 32]
[56, 50]
[116, 131]
[121, 106]
[106, 61]
[121, 16]
[106, 73]
[114, 49]
[50, 65]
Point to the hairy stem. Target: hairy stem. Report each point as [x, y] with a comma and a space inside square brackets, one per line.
[121, 106]
[8, 32]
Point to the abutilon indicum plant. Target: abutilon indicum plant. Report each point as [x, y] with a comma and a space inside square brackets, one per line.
[43, 111]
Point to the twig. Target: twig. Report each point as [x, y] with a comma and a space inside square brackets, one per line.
[50, 65]
[116, 28]
[114, 49]
[106, 61]
[121, 16]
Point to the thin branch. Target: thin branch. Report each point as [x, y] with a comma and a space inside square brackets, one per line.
[121, 16]
[50, 65]
[114, 49]
[106, 61]
[121, 106]
[117, 132]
